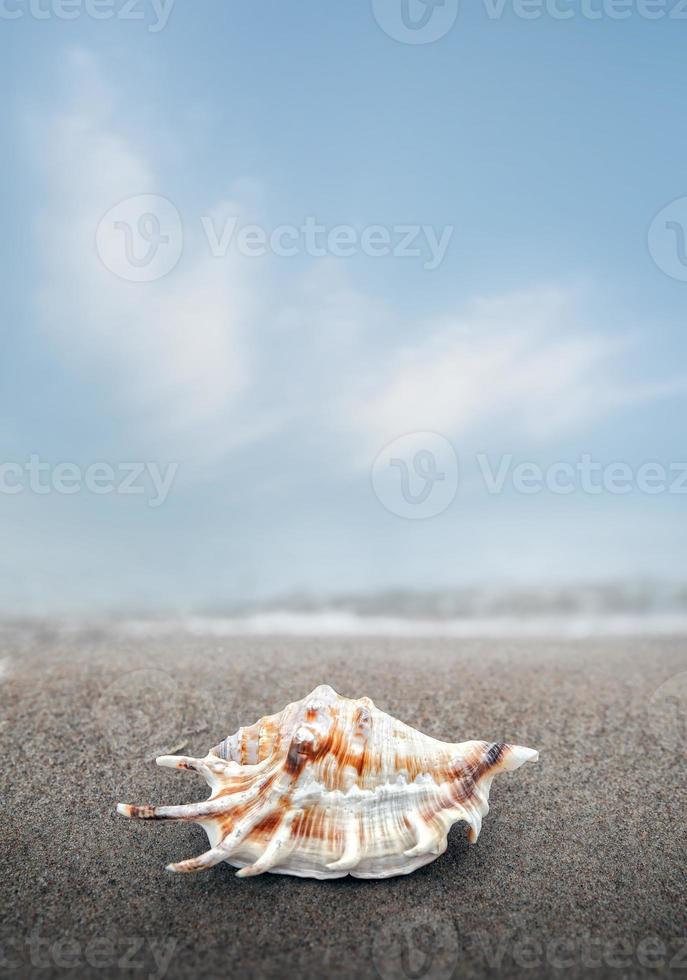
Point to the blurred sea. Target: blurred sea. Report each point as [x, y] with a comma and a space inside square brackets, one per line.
[616, 609]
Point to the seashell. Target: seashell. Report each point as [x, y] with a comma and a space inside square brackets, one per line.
[332, 786]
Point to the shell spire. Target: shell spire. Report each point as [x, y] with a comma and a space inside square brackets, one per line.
[333, 786]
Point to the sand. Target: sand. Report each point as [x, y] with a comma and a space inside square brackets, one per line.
[579, 870]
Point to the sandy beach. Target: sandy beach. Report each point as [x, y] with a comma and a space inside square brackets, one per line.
[579, 870]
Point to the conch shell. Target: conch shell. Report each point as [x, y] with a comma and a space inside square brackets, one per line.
[332, 786]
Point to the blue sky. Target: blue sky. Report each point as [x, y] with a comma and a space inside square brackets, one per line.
[273, 383]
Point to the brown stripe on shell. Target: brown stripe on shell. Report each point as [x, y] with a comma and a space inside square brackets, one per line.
[267, 826]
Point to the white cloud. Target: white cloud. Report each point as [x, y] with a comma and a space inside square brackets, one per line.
[172, 356]
[211, 356]
[522, 364]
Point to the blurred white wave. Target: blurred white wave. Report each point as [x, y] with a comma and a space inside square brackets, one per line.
[576, 610]
[335, 623]
[623, 608]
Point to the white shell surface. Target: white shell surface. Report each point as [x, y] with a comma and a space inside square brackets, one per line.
[332, 786]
